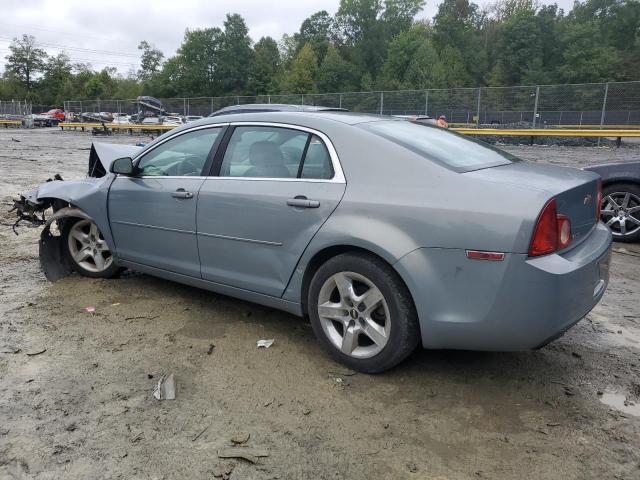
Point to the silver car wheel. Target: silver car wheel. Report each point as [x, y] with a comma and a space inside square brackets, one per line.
[88, 247]
[621, 213]
[354, 315]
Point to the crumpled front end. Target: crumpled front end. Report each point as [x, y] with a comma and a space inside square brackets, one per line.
[54, 201]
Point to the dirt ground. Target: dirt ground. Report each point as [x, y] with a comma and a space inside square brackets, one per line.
[83, 407]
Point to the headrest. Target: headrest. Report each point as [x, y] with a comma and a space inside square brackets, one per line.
[265, 154]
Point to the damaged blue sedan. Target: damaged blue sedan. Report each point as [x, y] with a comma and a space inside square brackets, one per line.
[386, 233]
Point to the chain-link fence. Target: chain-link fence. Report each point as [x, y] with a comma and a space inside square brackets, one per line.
[593, 104]
[10, 109]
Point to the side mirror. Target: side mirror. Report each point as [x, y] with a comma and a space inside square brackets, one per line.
[122, 166]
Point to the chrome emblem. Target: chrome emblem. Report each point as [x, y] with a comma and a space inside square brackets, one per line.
[587, 200]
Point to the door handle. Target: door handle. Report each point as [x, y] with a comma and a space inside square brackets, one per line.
[302, 202]
[182, 193]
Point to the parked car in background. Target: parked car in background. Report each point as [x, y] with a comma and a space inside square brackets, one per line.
[172, 120]
[121, 118]
[193, 118]
[106, 117]
[620, 199]
[56, 113]
[453, 244]
[151, 121]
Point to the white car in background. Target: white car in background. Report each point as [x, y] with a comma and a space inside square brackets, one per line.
[121, 118]
[172, 120]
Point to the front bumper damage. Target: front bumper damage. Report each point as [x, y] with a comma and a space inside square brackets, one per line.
[54, 263]
[29, 210]
[56, 200]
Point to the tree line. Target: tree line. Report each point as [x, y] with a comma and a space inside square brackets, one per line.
[367, 45]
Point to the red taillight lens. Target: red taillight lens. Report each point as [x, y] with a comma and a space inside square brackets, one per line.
[599, 201]
[552, 232]
[545, 235]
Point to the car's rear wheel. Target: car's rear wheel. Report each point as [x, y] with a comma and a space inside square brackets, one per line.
[87, 249]
[621, 211]
[362, 312]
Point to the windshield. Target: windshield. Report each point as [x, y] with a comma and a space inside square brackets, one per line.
[450, 149]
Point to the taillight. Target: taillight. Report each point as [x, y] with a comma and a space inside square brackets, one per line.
[599, 201]
[564, 232]
[552, 231]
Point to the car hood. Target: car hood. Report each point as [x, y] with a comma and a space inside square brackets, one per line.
[102, 156]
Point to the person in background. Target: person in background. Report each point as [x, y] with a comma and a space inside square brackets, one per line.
[442, 122]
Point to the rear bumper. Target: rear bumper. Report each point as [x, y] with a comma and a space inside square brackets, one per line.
[520, 303]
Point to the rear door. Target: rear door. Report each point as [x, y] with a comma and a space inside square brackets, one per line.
[153, 214]
[275, 186]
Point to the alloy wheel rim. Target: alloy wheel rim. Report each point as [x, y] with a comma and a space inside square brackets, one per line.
[621, 213]
[88, 247]
[354, 315]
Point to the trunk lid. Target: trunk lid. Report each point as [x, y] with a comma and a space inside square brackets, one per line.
[575, 191]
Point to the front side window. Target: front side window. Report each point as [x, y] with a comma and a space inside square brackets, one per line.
[455, 151]
[182, 156]
[275, 152]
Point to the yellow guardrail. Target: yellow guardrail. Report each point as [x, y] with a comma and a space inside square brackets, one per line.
[547, 132]
[558, 127]
[115, 126]
[6, 123]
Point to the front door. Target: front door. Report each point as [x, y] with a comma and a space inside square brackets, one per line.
[153, 214]
[276, 187]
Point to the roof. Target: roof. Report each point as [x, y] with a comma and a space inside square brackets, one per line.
[275, 107]
[301, 118]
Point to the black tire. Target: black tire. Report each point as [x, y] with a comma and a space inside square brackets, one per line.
[404, 331]
[617, 188]
[111, 271]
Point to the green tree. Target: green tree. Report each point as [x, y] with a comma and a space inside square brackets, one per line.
[398, 15]
[454, 71]
[302, 73]
[586, 57]
[521, 45]
[401, 53]
[425, 69]
[150, 60]
[318, 31]
[195, 70]
[457, 24]
[264, 78]
[235, 56]
[25, 60]
[363, 33]
[335, 74]
[57, 71]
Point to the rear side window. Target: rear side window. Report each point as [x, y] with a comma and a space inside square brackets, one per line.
[450, 149]
[275, 152]
[317, 162]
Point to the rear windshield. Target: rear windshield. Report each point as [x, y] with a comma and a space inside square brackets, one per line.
[450, 149]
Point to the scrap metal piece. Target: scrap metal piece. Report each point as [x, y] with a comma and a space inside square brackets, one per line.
[249, 454]
[265, 343]
[166, 388]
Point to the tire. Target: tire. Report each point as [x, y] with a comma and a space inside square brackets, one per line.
[83, 253]
[621, 211]
[369, 326]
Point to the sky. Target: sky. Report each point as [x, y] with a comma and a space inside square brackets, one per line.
[107, 33]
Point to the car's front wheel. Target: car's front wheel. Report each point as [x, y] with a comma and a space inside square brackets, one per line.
[362, 312]
[621, 211]
[87, 249]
